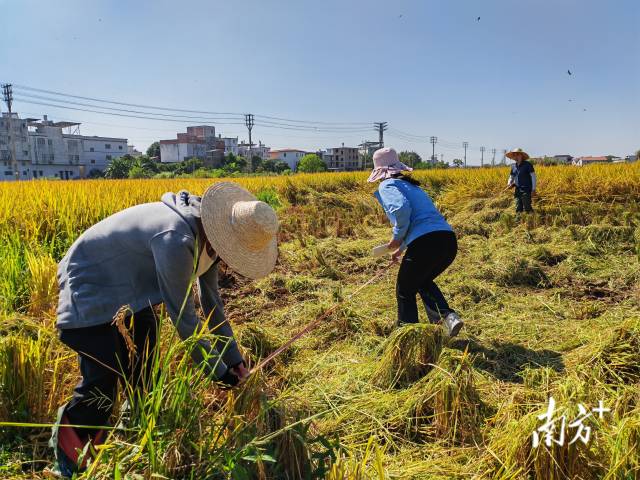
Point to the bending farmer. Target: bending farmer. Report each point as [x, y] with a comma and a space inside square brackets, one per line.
[420, 229]
[140, 257]
[522, 179]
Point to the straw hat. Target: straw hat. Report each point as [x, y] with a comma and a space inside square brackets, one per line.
[517, 152]
[386, 163]
[241, 229]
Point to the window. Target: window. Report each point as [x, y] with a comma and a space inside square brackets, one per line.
[119, 147]
[50, 142]
[93, 160]
[41, 142]
[107, 146]
[7, 172]
[109, 157]
[91, 149]
[25, 153]
[40, 172]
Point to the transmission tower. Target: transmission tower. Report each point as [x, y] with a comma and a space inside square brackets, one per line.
[7, 94]
[482, 149]
[433, 141]
[465, 145]
[380, 127]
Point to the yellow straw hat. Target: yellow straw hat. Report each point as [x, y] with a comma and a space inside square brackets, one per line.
[241, 229]
[517, 152]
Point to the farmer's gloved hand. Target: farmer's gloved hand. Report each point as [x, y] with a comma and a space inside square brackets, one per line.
[229, 379]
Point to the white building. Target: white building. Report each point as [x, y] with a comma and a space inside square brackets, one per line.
[19, 133]
[290, 156]
[99, 151]
[259, 150]
[198, 142]
[43, 149]
[230, 144]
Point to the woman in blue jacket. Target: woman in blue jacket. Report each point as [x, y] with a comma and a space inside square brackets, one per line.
[421, 232]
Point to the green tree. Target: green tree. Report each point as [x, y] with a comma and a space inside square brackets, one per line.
[410, 158]
[136, 171]
[457, 162]
[311, 163]
[267, 166]
[256, 161]
[189, 166]
[281, 167]
[150, 166]
[119, 167]
[154, 150]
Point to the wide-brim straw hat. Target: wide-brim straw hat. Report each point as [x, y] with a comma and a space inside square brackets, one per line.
[241, 229]
[517, 153]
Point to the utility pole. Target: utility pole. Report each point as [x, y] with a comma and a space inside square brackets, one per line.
[380, 127]
[433, 141]
[248, 121]
[7, 93]
[442, 158]
[493, 159]
[465, 145]
[482, 149]
[504, 156]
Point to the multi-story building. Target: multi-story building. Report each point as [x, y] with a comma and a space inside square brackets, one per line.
[230, 144]
[199, 142]
[44, 150]
[259, 150]
[290, 156]
[13, 127]
[342, 158]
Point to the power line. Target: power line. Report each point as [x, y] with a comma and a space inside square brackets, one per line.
[154, 107]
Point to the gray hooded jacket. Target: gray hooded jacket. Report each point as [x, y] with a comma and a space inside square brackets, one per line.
[143, 256]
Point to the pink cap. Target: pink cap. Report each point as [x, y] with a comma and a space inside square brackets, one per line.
[385, 164]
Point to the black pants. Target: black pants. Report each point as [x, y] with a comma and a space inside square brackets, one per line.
[426, 258]
[523, 200]
[105, 361]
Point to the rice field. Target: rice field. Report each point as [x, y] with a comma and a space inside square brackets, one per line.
[551, 303]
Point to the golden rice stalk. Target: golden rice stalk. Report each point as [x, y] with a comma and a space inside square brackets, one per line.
[446, 405]
[408, 355]
[119, 321]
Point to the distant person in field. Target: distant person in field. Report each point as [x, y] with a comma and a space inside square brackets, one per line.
[421, 232]
[144, 256]
[522, 179]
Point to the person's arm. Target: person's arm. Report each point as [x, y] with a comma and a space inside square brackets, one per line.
[213, 309]
[533, 179]
[398, 209]
[174, 258]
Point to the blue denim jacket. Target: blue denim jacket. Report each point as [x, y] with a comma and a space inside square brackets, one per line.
[410, 210]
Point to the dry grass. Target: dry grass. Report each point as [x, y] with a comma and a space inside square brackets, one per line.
[551, 304]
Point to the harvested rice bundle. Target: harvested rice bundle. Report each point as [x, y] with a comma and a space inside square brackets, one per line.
[446, 404]
[408, 355]
[511, 452]
[617, 362]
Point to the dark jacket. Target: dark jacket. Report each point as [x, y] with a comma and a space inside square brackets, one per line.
[142, 256]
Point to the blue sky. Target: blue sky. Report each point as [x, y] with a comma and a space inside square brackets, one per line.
[426, 67]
